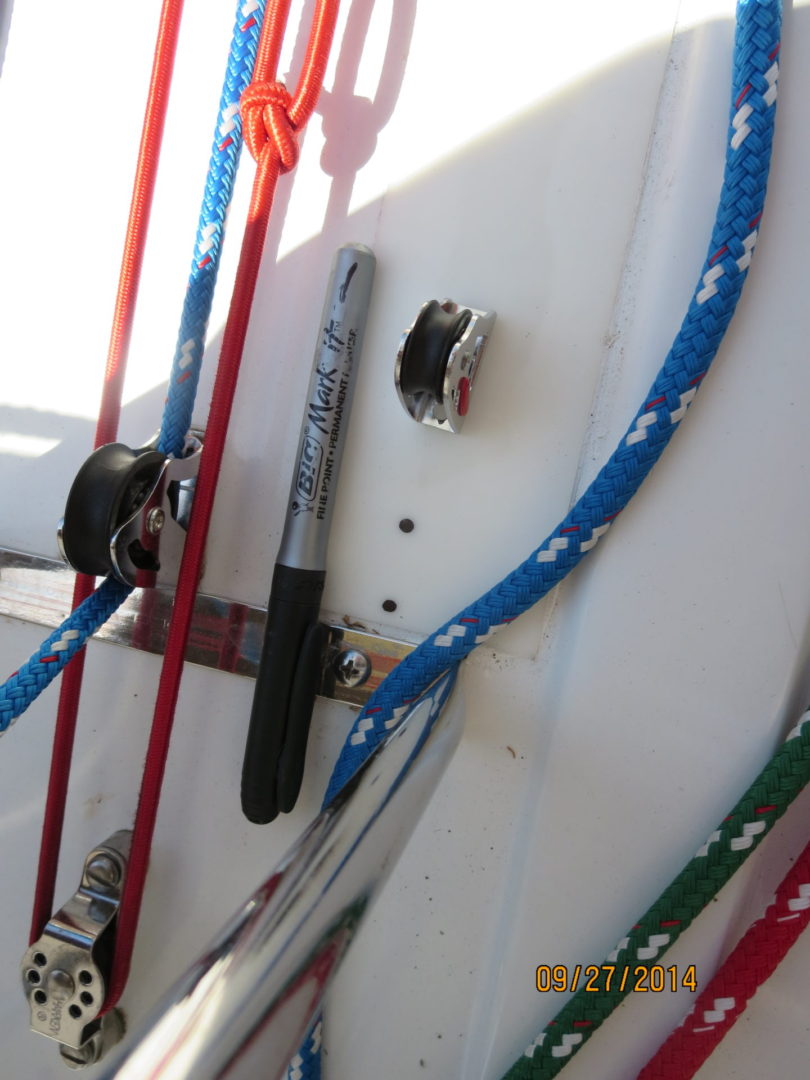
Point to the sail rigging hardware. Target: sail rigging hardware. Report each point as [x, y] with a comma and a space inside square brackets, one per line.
[65, 972]
[127, 513]
[438, 362]
[110, 1032]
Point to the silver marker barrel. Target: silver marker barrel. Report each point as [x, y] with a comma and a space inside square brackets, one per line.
[329, 401]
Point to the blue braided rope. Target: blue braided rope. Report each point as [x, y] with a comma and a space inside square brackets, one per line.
[223, 163]
[742, 199]
[25, 685]
[40, 669]
[306, 1065]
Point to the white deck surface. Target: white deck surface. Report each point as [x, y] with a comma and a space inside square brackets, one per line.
[560, 164]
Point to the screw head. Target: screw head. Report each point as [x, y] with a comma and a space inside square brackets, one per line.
[352, 668]
[155, 520]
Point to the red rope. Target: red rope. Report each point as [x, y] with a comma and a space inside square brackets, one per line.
[756, 957]
[140, 209]
[272, 121]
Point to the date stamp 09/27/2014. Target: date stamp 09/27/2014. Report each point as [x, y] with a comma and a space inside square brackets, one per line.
[594, 978]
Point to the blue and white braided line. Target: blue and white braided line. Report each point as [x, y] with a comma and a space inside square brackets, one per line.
[25, 685]
[742, 197]
[306, 1065]
[40, 669]
[224, 161]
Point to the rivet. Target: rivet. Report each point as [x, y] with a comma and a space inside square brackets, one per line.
[60, 983]
[103, 871]
[155, 520]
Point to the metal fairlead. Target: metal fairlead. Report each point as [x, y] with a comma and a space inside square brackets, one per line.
[65, 972]
[127, 513]
[438, 360]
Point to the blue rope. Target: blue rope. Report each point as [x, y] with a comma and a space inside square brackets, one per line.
[222, 167]
[41, 668]
[741, 202]
[27, 684]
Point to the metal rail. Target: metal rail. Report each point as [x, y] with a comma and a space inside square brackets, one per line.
[225, 634]
[243, 1008]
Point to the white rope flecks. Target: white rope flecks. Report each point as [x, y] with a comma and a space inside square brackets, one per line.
[771, 76]
[748, 244]
[655, 943]
[229, 114]
[686, 400]
[317, 1033]
[296, 1068]
[745, 110]
[466, 626]
[614, 956]
[736, 843]
[453, 631]
[207, 238]
[548, 554]
[596, 536]
[396, 716]
[639, 433]
[367, 723]
[797, 904]
[64, 641]
[530, 1049]
[359, 737]
[703, 851]
[567, 1045]
[795, 733]
[750, 830]
[51, 653]
[716, 1015]
[741, 128]
[186, 353]
[709, 287]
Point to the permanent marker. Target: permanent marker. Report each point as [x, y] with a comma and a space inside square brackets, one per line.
[294, 640]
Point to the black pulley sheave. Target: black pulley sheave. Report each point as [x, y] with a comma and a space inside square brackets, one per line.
[108, 489]
[428, 348]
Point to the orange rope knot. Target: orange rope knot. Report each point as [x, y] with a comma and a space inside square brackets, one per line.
[266, 122]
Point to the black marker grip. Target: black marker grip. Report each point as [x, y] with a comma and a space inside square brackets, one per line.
[302, 701]
[295, 600]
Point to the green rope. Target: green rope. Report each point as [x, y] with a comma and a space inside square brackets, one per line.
[660, 927]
